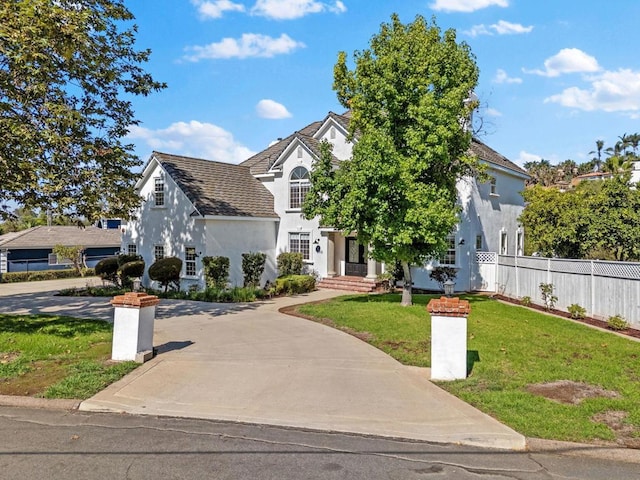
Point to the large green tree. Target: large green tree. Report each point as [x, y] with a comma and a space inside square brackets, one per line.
[595, 220]
[68, 70]
[409, 96]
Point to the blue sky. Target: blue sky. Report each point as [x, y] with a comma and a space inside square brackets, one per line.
[555, 75]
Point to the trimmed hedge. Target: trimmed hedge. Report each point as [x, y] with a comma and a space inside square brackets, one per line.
[253, 267]
[166, 271]
[290, 264]
[293, 284]
[216, 272]
[15, 277]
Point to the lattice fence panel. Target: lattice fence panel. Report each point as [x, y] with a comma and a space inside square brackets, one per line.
[486, 257]
[617, 270]
[533, 262]
[579, 267]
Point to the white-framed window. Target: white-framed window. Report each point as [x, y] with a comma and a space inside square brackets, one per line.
[132, 249]
[503, 243]
[493, 187]
[479, 242]
[158, 192]
[190, 261]
[158, 252]
[300, 242]
[332, 133]
[299, 186]
[519, 242]
[449, 257]
[299, 152]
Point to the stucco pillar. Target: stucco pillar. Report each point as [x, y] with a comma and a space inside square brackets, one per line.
[331, 255]
[133, 322]
[448, 338]
[371, 266]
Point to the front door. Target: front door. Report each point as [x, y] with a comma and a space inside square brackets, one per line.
[355, 264]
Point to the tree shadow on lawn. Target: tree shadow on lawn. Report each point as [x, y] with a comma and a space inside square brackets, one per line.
[61, 326]
[418, 298]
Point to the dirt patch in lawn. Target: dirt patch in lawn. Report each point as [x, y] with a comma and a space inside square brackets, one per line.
[40, 376]
[625, 433]
[566, 391]
[8, 357]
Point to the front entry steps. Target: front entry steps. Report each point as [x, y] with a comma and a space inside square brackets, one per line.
[351, 284]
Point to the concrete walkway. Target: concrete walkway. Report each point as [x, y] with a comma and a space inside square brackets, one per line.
[249, 363]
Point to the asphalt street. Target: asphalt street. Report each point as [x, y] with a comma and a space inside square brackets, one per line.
[59, 444]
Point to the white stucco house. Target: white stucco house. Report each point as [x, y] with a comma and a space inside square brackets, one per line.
[194, 208]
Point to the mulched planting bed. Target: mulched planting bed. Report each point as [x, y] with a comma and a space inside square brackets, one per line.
[630, 332]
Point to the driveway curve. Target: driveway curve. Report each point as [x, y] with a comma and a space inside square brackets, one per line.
[250, 363]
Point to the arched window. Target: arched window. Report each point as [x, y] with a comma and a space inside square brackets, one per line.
[299, 185]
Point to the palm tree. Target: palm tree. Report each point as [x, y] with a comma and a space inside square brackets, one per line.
[598, 151]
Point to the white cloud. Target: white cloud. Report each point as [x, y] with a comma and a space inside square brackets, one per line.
[267, 108]
[466, 5]
[502, 77]
[195, 139]
[215, 9]
[617, 91]
[500, 28]
[567, 60]
[249, 45]
[492, 112]
[290, 9]
[525, 157]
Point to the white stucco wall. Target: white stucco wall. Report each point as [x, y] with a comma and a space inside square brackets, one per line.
[482, 214]
[171, 226]
[231, 237]
[174, 227]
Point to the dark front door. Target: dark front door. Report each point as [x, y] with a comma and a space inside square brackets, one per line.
[356, 264]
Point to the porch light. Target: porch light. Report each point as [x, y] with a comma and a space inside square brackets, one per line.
[448, 287]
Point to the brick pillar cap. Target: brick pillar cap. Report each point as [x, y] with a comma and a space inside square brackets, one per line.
[135, 300]
[448, 307]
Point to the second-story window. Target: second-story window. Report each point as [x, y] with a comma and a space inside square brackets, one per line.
[299, 186]
[158, 192]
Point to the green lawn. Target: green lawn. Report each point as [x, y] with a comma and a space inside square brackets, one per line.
[513, 347]
[56, 357]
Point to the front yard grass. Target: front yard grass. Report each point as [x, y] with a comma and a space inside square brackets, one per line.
[511, 349]
[56, 356]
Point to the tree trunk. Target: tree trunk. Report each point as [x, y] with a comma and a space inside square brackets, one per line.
[407, 298]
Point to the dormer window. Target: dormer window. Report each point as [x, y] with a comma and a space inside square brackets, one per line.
[332, 133]
[158, 192]
[299, 186]
[299, 152]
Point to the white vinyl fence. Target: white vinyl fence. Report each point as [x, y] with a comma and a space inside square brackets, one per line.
[602, 288]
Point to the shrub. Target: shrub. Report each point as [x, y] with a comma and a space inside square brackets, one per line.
[131, 270]
[525, 301]
[216, 271]
[549, 299]
[442, 275]
[128, 257]
[253, 267]
[13, 277]
[577, 312]
[293, 284]
[107, 269]
[289, 264]
[617, 322]
[166, 271]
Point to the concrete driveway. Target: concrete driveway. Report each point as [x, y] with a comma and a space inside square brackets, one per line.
[249, 363]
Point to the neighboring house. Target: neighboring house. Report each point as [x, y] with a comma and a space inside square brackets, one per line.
[194, 208]
[32, 249]
[591, 177]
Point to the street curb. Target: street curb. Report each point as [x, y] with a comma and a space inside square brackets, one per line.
[33, 402]
[570, 449]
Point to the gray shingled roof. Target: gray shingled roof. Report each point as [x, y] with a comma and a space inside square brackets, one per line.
[48, 237]
[490, 155]
[217, 188]
[262, 162]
